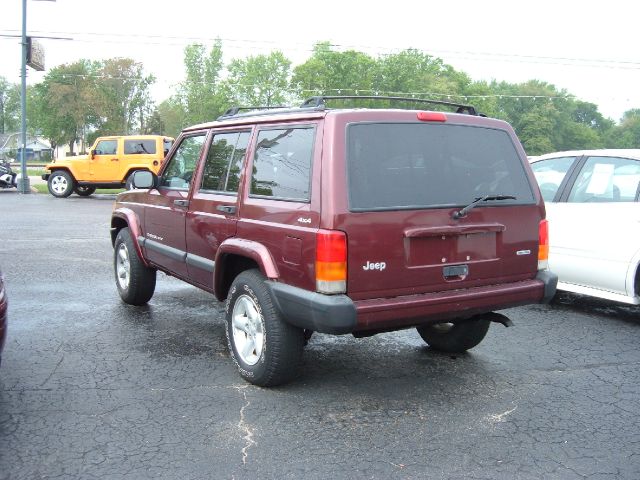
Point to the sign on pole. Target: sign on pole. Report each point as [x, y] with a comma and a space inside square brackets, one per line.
[35, 54]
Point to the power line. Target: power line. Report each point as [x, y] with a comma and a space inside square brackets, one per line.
[177, 40]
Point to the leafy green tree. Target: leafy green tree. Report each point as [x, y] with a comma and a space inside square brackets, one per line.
[122, 94]
[9, 106]
[627, 134]
[414, 73]
[62, 106]
[328, 72]
[201, 94]
[173, 116]
[260, 80]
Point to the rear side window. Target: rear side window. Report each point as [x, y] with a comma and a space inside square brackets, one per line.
[139, 147]
[166, 145]
[393, 166]
[224, 162]
[282, 164]
[607, 179]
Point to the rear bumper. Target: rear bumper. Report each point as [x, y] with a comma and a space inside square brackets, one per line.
[338, 314]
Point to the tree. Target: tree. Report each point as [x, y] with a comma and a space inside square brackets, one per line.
[173, 116]
[123, 98]
[627, 134]
[260, 80]
[63, 105]
[201, 94]
[9, 106]
[414, 73]
[328, 72]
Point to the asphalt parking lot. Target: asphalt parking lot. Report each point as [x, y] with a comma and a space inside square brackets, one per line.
[93, 388]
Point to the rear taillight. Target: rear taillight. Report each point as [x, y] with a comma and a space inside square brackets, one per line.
[543, 248]
[331, 262]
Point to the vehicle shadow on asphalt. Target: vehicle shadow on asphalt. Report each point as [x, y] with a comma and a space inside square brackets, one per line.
[592, 305]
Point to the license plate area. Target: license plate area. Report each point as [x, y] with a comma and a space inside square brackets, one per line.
[448, 249]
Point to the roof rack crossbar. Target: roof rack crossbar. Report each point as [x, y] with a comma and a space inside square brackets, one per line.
[320, 101]
[233, 111]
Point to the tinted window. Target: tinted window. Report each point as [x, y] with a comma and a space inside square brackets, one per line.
[396, 166]
[139, 147]
[224, 162]
[183, 163]
[550, 174]
[106, 147]
[282, 163]
[607, 179]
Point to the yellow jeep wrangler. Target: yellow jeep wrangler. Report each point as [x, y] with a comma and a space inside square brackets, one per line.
[110, 163]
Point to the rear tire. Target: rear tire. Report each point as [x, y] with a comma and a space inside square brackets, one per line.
[61, 184]
[135, 281]
[455, 337]
[84, 190]
[265, 348]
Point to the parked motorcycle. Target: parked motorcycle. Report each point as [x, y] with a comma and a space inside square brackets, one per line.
[7, 176]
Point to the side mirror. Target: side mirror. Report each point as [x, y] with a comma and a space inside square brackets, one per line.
[92, 154]
[144, 179]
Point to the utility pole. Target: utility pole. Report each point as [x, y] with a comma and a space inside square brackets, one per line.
[23, 185]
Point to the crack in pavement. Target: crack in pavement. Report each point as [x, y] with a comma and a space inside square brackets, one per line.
[243, 426]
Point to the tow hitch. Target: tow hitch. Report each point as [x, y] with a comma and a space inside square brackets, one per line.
[499, 318]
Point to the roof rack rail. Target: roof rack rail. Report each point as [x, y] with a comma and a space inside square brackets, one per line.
[233, 111]
[320, 102]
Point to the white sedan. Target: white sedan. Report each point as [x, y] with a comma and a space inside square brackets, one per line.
[592, 205]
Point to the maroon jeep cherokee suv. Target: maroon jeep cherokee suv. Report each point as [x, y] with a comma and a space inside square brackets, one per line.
[340, 221]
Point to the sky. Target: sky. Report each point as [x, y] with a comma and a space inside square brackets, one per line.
[589, 48]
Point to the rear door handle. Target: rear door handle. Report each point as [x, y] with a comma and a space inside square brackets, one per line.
[181, 203]
[229, 209]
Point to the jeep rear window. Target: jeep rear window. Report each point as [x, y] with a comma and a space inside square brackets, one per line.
[394, 166]
[282, 164]
[139, 147]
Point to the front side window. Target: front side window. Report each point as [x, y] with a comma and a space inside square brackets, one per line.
[607, 179]
[106, 147]
[182, 165]
[139, 147]
[395, 166]
[282, 163]
[550, 173]
[224, 162]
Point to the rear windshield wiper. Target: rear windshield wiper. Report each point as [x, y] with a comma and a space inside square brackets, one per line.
[462, 213]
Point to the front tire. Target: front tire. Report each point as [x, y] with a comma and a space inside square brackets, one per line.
[455, 337]
[135, 281]
[84, 190]
[265, 348]
[61, 184]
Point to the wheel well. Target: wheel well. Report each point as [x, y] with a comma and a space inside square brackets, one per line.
[232, 266]
[636, 282]
[64, 169]
[117, 224]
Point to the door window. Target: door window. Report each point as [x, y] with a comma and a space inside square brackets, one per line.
[282, 164]
[550, 174]
[224, 162]
[106, 147]
[181, 166]
[607, 179]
